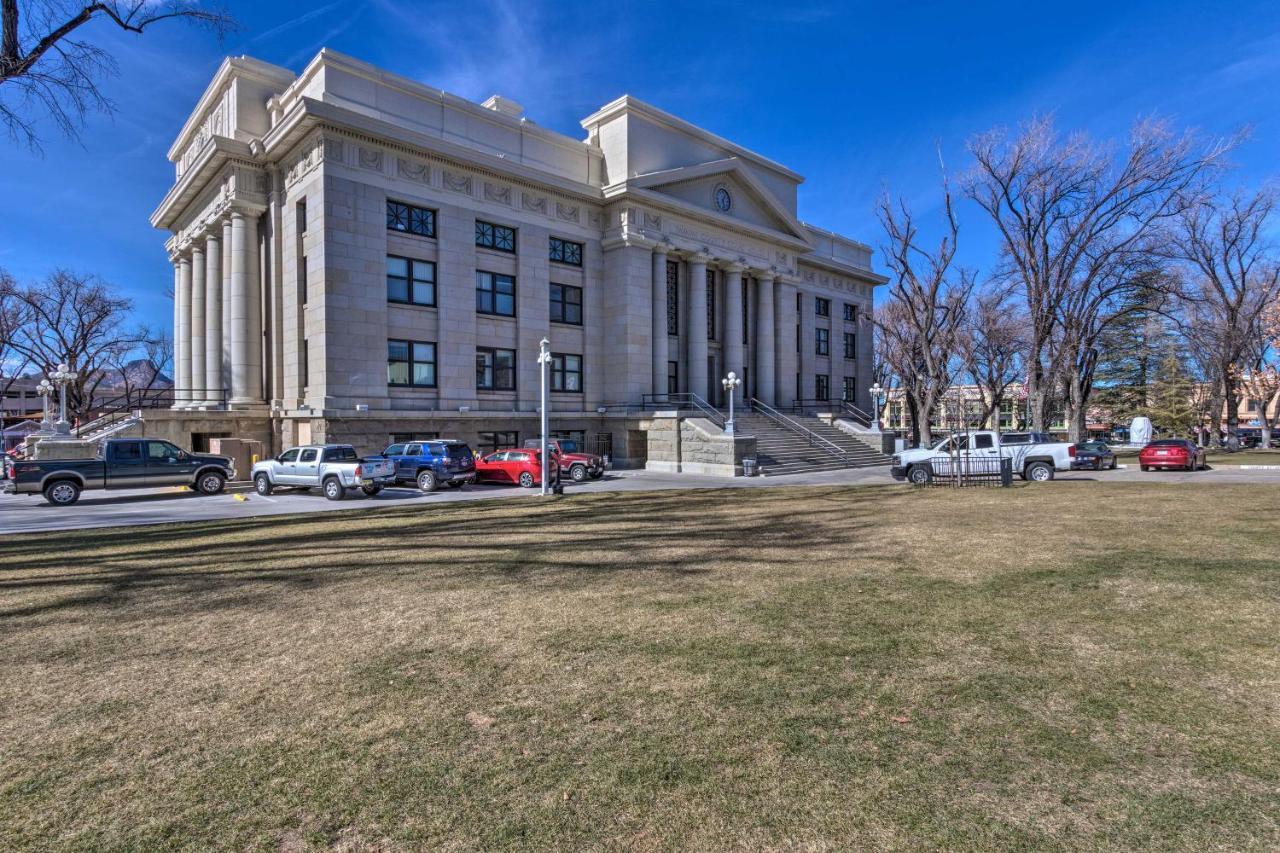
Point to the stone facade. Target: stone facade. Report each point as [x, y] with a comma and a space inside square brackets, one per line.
[678, 444]
[682, 250]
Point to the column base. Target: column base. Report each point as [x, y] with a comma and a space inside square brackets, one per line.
[247, 405]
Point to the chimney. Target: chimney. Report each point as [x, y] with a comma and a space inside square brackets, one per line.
[506, 106]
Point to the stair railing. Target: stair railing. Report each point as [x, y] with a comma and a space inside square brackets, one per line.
[800, 429]
[685, 400]
[855, 414]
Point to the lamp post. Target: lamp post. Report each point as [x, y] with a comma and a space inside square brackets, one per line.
[45, 389]
[544, 368]
[62, 377]
[876, 391]
[731, 383]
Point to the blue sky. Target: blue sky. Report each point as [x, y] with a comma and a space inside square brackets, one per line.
[855, 96]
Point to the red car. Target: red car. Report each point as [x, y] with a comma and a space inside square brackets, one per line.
[1172, 453]
[513, 466]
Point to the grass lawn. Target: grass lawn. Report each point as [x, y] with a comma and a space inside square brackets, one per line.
[1073, 666]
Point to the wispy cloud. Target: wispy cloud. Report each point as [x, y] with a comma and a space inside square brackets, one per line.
[297, 21]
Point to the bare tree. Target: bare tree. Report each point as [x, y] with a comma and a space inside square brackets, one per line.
[1070, 216]
[991, 347]
[143, 369]
[75, 319]
[926, 311]
[47, 67]
[1231, 281]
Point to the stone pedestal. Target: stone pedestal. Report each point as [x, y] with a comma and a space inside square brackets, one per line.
[694, 446]
[54, 447]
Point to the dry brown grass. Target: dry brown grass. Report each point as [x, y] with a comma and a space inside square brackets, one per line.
[761, 668]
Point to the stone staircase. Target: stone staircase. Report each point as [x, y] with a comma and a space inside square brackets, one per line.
[781, 451]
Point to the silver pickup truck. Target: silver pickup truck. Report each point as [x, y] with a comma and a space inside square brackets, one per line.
[333, 468]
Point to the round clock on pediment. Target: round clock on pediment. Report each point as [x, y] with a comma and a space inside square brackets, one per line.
[723, 200]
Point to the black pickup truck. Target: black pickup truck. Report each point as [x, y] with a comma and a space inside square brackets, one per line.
[122, 463]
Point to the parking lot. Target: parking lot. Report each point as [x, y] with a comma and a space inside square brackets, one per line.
[30, 513]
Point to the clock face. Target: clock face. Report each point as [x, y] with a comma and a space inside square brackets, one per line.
[724, 201]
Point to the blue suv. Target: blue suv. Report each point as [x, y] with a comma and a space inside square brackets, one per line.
[430, 463]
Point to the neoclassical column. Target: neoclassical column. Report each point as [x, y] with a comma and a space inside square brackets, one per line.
[246, 314]
[197, 389]
[226, 303]
[696, 325]
[765, 340]
[182, 333]
[788, 362]
[808, 357]
[734, 359]
[659, 328]
[213, 318]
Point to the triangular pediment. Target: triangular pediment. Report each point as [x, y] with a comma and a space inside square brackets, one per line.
[711, 186]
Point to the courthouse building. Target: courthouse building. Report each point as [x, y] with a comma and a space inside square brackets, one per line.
[359, 257]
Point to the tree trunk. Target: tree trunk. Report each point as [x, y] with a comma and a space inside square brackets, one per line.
[914, 413]
[1231, 393]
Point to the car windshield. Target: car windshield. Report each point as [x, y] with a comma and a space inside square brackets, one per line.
[568, 445]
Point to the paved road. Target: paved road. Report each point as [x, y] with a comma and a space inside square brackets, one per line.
[26, 513]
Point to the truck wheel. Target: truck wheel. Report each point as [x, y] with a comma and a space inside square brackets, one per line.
[262, 485]
[371, 490]
[526, 480]
[578, 473]
[62, 493]
[1039, 472]
[211, 483]
[333, 489]
[920, 476]
[427, 481]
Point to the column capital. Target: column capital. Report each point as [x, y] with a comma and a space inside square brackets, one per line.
[697, 258]
[733, 267]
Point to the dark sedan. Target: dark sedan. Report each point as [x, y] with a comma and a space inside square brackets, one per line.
[1094, 455]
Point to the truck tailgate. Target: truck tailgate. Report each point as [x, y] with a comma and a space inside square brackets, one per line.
[376, 467]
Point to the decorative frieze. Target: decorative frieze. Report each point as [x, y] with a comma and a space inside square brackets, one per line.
[533, 202]
[412, 170]
[370, 158]
[567, 212]
[497, 193]
[457, 183]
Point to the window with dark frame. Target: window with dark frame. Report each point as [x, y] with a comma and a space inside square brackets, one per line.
[850, 345]
[305, 367]
[822, 306]
[495, 294]
[849, 389]
[673, 377]
[410, 281]
[850, 312]
[566, 304]
[411, 363]
[491, 441]
[566, 372]
[711, 305]
[566, 252]
[822, 341]
[673, 297]
[822, 387]
[302, 280]
[495, 369]
[410, 219]
[500, 238]
[746, 313]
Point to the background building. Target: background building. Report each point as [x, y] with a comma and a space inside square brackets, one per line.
[359, 257]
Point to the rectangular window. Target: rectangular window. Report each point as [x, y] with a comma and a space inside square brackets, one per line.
[849, 389]
[850, 345]
[491, 441]
[495, 369]
[302, 280]
[822, 387]
[850, 312]
[566, 372]
[495, 294]
[822, 341]
[410, 219]
[304, 368]
[410, 281]
[711, 305]
[746, 337]
[673, 297]
[799, 303]
[566, 304]
[566, 252]
[673, 377]
[822, 307]
[411, 363]
[499, 237]
[301, 213]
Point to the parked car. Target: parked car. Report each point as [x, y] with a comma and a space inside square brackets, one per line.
[1173, 453]
[121, 463]
[579, 466]
[1036, 461]
[514, 466]
[1094, 454]
[427, 464]
[333, 467]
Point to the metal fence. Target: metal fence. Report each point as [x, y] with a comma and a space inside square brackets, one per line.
[970, 471]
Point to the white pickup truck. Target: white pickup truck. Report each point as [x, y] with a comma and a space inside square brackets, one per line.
[333, 467]
[1035, 457]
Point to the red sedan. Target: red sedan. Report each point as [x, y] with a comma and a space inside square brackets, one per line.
[513, 466]
[1172, 453]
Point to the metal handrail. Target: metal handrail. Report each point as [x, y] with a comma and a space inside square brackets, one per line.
[806, 433]
[863, 418]
[685, 399]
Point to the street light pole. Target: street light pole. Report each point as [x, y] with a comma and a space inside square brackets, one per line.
[731, 383]
[45, 388]
[62, 377]
[876, 391]
[544, 368]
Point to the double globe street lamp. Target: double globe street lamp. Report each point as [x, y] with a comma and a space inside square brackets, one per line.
[731, 383]
[45, 390]
[62, 377]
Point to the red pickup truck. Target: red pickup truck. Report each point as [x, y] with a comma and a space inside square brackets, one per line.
[579, 466]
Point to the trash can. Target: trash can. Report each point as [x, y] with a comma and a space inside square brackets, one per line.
[748, 467]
